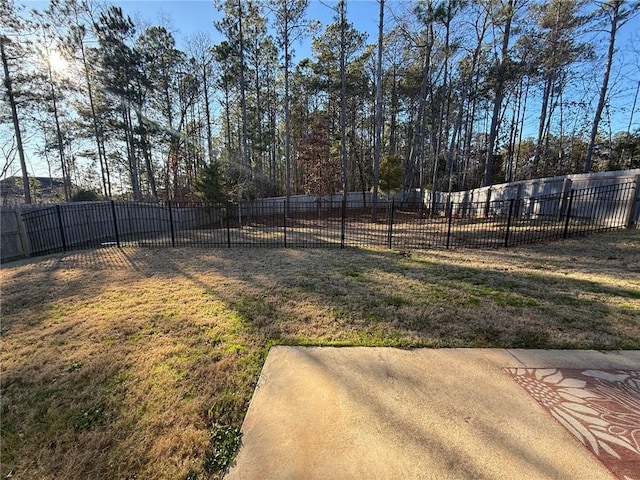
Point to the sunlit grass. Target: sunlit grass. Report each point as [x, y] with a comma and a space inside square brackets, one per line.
[123, 363]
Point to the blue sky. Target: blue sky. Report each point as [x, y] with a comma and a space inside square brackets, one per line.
[191, 16]
[188, 17]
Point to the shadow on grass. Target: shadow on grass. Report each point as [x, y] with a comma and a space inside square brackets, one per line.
[37, 289]
[55, 408]
[372, 297]
[266, 296]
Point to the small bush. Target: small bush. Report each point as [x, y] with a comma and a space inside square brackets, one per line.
[83, 195]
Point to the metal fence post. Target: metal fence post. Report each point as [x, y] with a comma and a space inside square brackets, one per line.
[390, 225]
[449, 224]
[228, 228]
[487, 204]
[506, 236]
[173, 234]
[284, 217]
[61, 225]
[25, 240]
[343, 225]
[115, 222]
[632, 212]
[566, 188]
[568, 218]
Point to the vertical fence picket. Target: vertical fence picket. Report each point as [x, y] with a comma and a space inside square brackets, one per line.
[449, 222]
[171, 227]
[390, 225]
[568, 217]
[115, 223]
[506, 235]
[61, 226]
[228, 227]
[284, 223]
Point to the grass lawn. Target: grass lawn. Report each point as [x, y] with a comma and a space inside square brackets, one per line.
[137, 362]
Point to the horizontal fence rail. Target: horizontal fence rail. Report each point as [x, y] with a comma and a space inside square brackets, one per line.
[328, 222]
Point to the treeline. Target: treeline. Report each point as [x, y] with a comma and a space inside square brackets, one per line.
[451, 95]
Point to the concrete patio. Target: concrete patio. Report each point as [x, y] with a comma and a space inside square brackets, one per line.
[385, 413]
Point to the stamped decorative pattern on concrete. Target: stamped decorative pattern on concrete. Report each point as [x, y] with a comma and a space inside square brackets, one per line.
[599, 407]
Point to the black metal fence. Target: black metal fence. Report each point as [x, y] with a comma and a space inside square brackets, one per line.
[324, 223]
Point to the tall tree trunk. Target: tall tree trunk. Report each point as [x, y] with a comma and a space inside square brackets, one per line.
[146, 153]
[207, 109]
[260, 153]
[287, 110]
[542, 122]
[395, 106]
[131, 153]
[633, 108]
[16, 122]
[615, 17]
[66, 179]
[547, 129]
[443, 122]
[521, 129]
[513, 131]
[358, 159]
[497, 101]
[470, 117]
[227, 120]
[273, 188]
[417, 144]
[97, 130]
[377, 150]
[343, 98]
[559, 166]
[246, 159]
[174, 141]
[455, 144]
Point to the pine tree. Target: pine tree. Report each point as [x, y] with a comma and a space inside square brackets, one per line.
[557, 47]
[48, 33]
[289, 26]
[321, 172]
[78, 16]
[119, 67]
[378, 114]
[506, 16]
[13, 24]
[210, 184]
[617, 16]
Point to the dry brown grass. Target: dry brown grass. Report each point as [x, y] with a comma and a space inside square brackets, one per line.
[113, 359]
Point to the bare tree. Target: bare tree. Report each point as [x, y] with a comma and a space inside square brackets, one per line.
[506, 13]
[617, 16]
